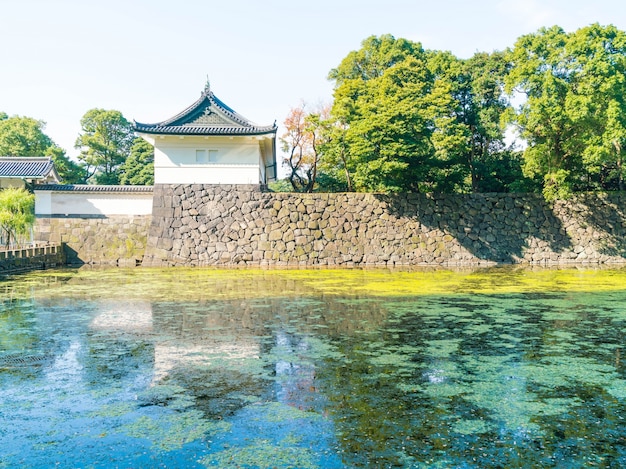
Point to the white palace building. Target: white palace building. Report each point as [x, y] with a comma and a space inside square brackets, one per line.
[209, 143]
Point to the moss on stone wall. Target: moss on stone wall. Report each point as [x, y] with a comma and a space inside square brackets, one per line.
[114, 240]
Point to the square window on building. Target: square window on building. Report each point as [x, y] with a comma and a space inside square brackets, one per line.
[202, 156]
[206, 156]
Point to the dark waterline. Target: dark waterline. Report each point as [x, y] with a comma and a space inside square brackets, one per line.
[328, 369]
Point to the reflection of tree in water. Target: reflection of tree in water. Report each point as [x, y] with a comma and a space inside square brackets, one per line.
[20, 342]
[218, 392]
[484, 378]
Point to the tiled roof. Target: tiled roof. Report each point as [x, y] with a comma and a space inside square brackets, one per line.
[91, 188]
[207, 116]
[34, 167]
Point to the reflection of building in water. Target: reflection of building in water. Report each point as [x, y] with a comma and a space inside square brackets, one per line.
[179, 337]
[213, 334]
[119, 340]
[125, 317]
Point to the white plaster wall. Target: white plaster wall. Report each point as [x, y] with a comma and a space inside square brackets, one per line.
[92, 203]
[238, 160]
[203, 174]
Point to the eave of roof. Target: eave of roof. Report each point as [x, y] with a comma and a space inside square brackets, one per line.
[202, 130]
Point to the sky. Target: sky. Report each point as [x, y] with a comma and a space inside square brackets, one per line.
[150, 59]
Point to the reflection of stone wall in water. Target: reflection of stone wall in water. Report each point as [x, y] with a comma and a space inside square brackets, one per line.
[200, 225]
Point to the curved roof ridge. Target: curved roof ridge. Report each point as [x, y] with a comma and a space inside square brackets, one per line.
[189, 121]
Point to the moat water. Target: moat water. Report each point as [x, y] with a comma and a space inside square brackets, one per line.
[198, 368]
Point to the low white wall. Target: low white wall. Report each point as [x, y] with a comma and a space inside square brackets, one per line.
[77, 201]
[201, 174]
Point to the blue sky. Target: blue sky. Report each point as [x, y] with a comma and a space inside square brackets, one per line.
[150, 59]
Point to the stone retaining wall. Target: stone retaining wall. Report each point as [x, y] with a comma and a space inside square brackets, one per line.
[202, 225]
[105, 240]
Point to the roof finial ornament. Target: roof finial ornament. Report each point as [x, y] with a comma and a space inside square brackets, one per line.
[207, 86]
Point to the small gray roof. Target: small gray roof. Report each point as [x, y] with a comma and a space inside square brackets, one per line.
[91, 188]
[207, 116]
[31, 167]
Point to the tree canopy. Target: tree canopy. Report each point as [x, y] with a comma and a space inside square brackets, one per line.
[105, 143]
[24, 136]
[405, 118]
[574, 114]
[409, 119]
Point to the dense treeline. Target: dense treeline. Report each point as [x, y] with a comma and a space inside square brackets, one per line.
[404, 118]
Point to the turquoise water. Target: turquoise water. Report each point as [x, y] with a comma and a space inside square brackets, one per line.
[198, 368]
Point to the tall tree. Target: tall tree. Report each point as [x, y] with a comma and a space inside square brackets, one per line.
[105, 144]
[23, 136]
[138, 169]
[600, 103]
[573, 116]
[483, 107]
[382, 100]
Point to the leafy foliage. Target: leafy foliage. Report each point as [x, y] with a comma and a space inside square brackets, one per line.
[105, 143]
[17, 214]
[69, 171]
[407, 119]
[574, 114]
[138, 169]
[23, 136]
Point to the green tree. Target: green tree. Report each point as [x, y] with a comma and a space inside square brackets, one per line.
[105, 143]
[69, 171]
[382, 105]
[23, 136]
[573, 116]
[599, 105]
[17, 214]
[138, 169]
[483, 108]
[416, 120]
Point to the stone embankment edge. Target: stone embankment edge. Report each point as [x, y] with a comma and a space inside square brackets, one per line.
[210, 225]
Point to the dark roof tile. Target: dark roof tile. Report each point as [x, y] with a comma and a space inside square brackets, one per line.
[34, 167]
